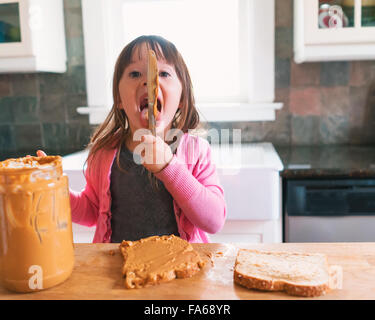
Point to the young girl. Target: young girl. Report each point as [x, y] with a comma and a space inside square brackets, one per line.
[119, 197]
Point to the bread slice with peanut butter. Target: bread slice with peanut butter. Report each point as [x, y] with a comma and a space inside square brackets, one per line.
[298, 274]
[158, 259]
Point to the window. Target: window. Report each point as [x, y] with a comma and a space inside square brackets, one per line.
[208, 41]
[10, 23]
[228, 46]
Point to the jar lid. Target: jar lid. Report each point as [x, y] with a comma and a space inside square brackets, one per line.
[29, 164]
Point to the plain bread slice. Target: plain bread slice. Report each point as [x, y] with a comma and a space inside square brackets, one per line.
[300, 274]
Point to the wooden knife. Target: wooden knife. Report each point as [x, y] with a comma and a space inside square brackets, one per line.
[152, 90]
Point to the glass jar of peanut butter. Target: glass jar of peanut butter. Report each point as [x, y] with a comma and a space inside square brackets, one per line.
[36, 239]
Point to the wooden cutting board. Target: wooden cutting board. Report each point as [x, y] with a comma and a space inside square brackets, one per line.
[97, 274]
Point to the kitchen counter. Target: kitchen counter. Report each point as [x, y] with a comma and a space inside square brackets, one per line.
[97, 274]
[327, 161]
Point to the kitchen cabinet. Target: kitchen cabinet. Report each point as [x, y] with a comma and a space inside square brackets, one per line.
[32, 36]
[97, 274]
[334, 30]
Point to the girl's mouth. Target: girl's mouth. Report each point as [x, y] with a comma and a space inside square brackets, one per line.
[144, 105]
[143, 109]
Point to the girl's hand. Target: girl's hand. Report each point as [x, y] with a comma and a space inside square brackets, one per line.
[156, 154]
[39, 153]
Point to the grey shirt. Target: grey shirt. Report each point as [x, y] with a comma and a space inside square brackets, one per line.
[139, 210]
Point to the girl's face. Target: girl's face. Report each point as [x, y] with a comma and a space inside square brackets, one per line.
[133, 92]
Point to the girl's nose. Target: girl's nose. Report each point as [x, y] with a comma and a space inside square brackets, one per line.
[145, 84]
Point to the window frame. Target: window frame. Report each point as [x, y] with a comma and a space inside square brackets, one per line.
[103, 42]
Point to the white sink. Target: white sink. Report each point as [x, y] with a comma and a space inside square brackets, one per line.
[246, 155]
[249, 174]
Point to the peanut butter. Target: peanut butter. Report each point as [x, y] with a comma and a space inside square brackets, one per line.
[157, 259]
[36, 240]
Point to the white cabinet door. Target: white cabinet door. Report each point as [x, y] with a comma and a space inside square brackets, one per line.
[267, 231]
[236, 238]
[32, 36]
[317, 35]
[340, 30]
[15, 39]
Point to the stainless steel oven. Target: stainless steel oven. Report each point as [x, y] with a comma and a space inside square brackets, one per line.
[325, 210]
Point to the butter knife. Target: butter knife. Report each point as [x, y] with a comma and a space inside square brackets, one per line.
[152, 90]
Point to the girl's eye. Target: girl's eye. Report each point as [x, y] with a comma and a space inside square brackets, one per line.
[134, 74]
[164, 74]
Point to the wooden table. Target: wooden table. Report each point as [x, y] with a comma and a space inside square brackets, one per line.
[97, 274]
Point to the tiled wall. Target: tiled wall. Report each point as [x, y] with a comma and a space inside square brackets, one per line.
[324, 103]
[38, 110]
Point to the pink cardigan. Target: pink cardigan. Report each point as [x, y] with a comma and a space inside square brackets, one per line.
[190, 177]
